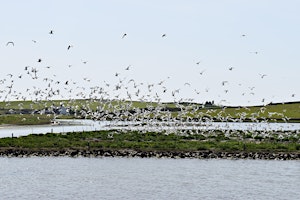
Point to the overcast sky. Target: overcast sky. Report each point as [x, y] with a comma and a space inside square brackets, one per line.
[233, 52]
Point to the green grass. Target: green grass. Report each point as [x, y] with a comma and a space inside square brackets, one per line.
[25, 119]
[146, 142]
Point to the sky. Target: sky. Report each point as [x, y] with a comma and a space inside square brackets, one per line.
[231, 52]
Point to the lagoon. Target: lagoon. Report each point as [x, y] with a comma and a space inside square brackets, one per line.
[147, 178]
[63, 126]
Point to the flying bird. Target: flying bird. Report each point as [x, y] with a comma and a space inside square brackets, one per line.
[201, 73]
[262, 75]
[39, 60]
[163, 35]
[69, 47]
[224, 82]
[8, 43]
[124, 35]
[51, 32]
[127, 68]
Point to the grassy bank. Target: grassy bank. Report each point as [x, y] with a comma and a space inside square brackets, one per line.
[116, 140]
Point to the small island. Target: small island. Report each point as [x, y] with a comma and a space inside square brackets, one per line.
[202, 144]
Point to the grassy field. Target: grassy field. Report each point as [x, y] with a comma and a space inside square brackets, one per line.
[272, 113]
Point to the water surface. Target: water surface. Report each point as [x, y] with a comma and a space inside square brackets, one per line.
[137, 178]
[90, 125]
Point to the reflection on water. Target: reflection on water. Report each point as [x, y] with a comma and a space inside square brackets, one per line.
[89, 125]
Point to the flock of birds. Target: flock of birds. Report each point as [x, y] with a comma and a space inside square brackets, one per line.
[125, 91]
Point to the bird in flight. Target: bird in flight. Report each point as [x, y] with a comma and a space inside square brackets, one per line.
[231, 68]
[69, 47]
[127, 68]
[163, 35]
[201, 73]
[262, 75]
[8, 43]
[39, 60]
[51, 32]
[224, 82]
[124, 35]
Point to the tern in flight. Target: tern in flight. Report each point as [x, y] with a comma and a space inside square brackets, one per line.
[8, 43]
[124, 35]
[262, 75]
[127, 68]
[69, 47]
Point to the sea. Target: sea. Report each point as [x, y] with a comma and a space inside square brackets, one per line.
[147, 178]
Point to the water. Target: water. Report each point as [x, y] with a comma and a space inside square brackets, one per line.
[90, 125]
[140, 178]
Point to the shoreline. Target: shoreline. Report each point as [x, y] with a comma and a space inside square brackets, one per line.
[128, 153]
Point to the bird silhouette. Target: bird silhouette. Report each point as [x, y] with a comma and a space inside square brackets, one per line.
[262, 75]
[10, 43]
[128, 67]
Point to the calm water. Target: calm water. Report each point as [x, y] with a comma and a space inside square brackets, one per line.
[90, 125]
[137, 178]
